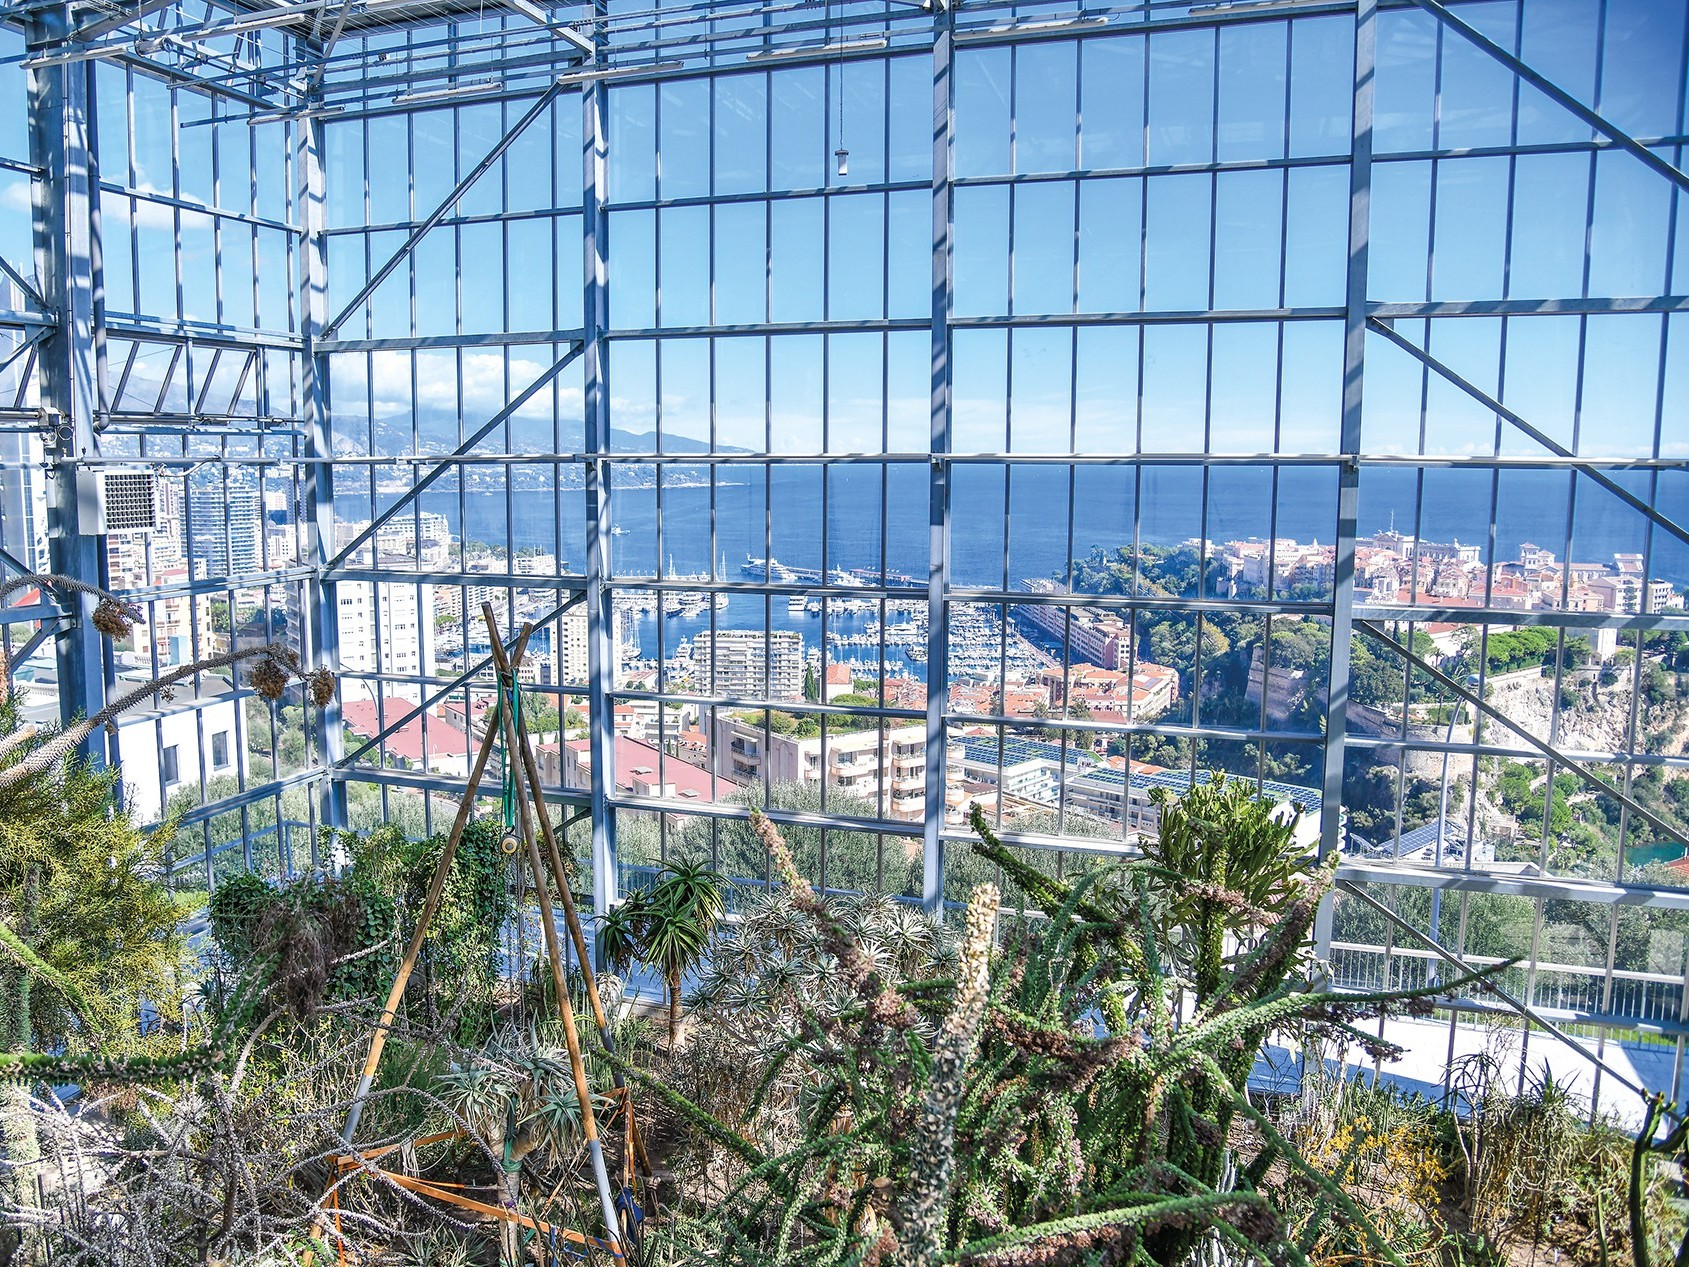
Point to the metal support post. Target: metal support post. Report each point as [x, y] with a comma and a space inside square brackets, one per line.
[62, 132]
[321, 635]
[938, 521]
[600, 613]
[1349, 475]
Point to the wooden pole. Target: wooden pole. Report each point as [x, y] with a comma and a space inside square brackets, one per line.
[548, 927]
[571, 916]
[431, 901]
[429, 905]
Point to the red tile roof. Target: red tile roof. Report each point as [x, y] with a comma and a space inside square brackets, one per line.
[367, 718]
[639, 762]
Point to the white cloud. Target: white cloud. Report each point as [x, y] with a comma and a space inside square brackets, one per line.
[484, 383]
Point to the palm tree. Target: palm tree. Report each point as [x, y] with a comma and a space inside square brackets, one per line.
[666, 927]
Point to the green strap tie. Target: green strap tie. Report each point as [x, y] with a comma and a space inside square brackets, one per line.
[508, 757]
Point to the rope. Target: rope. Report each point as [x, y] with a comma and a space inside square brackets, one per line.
[507, 759]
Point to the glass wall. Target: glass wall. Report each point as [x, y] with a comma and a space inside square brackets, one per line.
[951, 413]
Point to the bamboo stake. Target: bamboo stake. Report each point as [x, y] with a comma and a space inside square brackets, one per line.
[571, 916]
[430, 903]
[436, 885]
[548, 927]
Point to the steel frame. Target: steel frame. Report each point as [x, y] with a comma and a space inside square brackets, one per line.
[71, 327]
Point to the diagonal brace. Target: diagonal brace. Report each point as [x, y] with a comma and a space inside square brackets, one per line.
[49, 627]
[1489, 987]
[25, 344]
[117, 20]
[1589, 777]
[11, 560]
[445, 208]
[1558, 95]
[440, 468]
[461, 679]
[1548, 442]
[28, 288]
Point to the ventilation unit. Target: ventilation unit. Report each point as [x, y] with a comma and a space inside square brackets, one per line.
[116, 499]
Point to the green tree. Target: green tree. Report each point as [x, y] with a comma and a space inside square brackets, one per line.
[87, 932]
[667, 927]
[539, 713]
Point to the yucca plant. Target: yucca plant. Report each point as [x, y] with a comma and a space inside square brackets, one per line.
[666, 927]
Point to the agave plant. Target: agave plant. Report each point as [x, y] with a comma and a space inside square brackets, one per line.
[518, 1097]
[439, 1248]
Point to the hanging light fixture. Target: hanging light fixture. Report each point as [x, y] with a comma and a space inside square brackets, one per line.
[842, 155]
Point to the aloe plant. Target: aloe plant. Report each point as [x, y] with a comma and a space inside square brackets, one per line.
[1052, 1102]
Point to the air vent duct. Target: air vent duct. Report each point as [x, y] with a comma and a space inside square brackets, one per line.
[116, 499]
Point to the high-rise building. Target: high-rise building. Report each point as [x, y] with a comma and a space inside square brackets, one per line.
[570, 660]
[224, 531]
[23, 499]
[744, 664]
[387, 630]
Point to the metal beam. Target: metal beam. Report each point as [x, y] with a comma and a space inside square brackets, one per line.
[510, 580]
[322, 608]
[600, 509]
[1548, 442]
[1526, 307]
[48, 628]
[62, 140]
[279, 16]
[12, 561]
[418, 342]
[248, 797]
[1553, 753]
[1552, 619]
[28, 288]
[938, 479]
[1532, 887]
[1349, 475]
[102, 26]
[440, 212]
[24, 345]
[540, 18]
[1558, 95]
[419, 486]
[1391, 742]
[462, 679]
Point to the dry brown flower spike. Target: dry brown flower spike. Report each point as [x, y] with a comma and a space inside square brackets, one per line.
[115, 619]
[321, 682]
[269, 679]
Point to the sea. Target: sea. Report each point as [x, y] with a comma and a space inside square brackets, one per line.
[857, 516]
